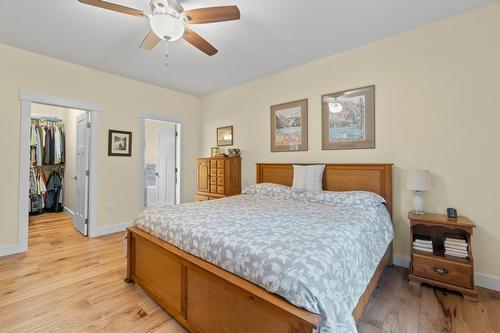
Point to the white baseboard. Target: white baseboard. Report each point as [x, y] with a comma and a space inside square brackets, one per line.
[101, 231]
[487, 281]
[6, 250]
[69, 211]
[401, 261]
[481, 280]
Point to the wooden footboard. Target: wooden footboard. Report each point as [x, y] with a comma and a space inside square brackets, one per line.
[207, 299]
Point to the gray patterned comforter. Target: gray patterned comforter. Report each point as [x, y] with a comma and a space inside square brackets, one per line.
[317, 251]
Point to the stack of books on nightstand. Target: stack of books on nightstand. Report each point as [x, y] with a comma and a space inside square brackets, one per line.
[422, 243]
[455, 245]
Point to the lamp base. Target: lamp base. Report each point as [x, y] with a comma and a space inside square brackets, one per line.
[418, 203]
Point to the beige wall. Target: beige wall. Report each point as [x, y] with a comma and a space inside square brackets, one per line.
[121, 101]
[68, 116]
[436, 107]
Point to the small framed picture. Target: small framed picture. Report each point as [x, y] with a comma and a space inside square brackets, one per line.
[289, 126]
[349, 119]
[119, 143]
[225, 136]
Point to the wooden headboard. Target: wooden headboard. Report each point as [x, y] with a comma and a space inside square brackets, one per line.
[375, 178]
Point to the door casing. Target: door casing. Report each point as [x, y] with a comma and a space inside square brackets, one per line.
[27, 98]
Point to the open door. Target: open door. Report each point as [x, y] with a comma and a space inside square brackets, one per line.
[81, 174]
[166, 164]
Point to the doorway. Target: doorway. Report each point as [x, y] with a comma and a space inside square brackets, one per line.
[80, 205]
[58, 164]
[161, 162]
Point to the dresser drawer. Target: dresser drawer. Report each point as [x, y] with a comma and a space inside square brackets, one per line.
[213, 164]
[220, 164]
[213, 180]
[213, 188]
[443, 270]
[220, 172]
[220, 181]
[213, 172]
[220, 190]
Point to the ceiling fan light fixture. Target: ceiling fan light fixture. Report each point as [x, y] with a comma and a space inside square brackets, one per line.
[167, 27]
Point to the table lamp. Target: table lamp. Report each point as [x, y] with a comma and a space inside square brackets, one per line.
[418, 180]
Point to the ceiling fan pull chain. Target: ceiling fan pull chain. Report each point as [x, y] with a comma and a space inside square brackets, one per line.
[166, 54]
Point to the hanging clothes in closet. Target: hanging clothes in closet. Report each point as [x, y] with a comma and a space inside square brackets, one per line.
[54, 188]
[47, 140]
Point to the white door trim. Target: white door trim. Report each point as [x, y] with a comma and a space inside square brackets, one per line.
[142, 141]
[27, 98]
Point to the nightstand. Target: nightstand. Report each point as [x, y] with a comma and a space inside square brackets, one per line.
[436, 268]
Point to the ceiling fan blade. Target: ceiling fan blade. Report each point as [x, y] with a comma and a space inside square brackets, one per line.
[199, 42]
[150, 41]
[212, 14]
[113, 7]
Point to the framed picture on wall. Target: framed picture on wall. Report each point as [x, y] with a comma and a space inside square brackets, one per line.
[225, 136]
[289, 126]
[119, 143]
[348, 119]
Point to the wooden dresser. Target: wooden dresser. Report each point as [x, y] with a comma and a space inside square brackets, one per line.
[218, 177]
[436, 268]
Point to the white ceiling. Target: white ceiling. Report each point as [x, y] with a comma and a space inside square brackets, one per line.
[272, 35]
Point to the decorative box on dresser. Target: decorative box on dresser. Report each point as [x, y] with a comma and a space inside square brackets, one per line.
[218, 177]
[436, 268]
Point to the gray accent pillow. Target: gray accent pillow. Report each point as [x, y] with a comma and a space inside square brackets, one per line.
[308, 178]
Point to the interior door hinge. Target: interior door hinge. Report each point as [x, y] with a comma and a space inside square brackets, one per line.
[86, 221]
[87, 173]
[176, 133]
[88, 125]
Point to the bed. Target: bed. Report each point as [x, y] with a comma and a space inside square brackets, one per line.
[206, 290]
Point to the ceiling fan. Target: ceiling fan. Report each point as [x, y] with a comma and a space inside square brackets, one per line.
[168, 21]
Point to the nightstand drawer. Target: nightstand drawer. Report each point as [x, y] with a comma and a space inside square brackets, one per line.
[443, 270]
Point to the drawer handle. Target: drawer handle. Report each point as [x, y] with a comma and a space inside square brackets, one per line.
[440, 270]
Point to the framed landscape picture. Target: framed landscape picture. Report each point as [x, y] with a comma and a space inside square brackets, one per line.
[225, 136]
[119, 143]
[289, 126]
[348, 119]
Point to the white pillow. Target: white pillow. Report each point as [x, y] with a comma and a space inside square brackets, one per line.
[308, 178]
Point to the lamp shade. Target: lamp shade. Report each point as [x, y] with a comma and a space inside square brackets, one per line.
[418, 180]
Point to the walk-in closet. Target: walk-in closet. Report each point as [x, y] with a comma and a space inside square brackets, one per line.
[47, 155]
[58, 144]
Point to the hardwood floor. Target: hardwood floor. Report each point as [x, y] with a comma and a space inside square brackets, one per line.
[70, 283]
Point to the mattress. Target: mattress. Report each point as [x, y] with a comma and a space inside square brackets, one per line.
[318, 251]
